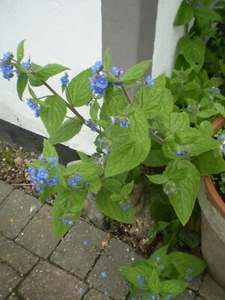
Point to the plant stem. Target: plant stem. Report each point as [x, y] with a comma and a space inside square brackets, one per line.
[173, 238]
[126, 95]
[155, 137]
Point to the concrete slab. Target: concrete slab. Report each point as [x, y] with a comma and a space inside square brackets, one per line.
[186, 295]
[5, 190]
[79, 249]
[16, 211]
[38, 235]
[95, 295]
[16, 256]
[196, 282]
[47, 282]
[9, 280]
[210, 290]
[115, 255]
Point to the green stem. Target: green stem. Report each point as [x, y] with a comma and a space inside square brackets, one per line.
[173, 238]
[126, 95]
[155, 137]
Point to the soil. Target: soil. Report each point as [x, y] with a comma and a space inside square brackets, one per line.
[13, 170]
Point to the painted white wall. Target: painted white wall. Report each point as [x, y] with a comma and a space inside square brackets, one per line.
[166, 37]
[65, 32]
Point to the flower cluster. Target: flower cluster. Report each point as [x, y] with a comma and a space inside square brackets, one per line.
[6, 66]
[92, 125]
[34, 106]
[65, 79]
[124, 121]
[74, 180]
[170, 188]
[212, 92]
[183, 150]
[149, 80]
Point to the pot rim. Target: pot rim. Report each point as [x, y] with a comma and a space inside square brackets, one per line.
[215, 198]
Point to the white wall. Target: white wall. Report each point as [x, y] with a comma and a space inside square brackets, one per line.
[166, 37]
[65, 32]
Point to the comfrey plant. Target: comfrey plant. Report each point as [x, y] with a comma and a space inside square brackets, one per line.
[160, 137]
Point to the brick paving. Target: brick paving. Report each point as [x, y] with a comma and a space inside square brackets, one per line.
[34, 265]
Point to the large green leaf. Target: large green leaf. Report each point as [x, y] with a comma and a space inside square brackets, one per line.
[184, 14]
[131, 147]
[193, 51]
[107, 60]
[209, 163]
[66, 131]
[20, 51]
[154, 282]
[156, 158]
[113, 209]
[49, 150]
[50, 70]
[132, 274]
[208, 13]
[53, 113]
[187, 187]
[79, 89]
[21, 84]
[150, 99]
[135, 72]
[173, 287]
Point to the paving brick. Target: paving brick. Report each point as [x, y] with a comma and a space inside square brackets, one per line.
[19, 258]
[115, 255]
[38, 235]
[95, 295]
[73, 255]
[5, 190]
[47, 282]
[9, 280]
[210, 290]
[16, 211]
[196, 282]
[186, 295]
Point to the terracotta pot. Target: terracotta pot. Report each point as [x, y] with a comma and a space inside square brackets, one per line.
[213, 223]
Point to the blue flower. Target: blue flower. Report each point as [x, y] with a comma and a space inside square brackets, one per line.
[117, 71]
[188, 279]
[74, 180]
[101, 82]
[66, 221]
[141, 280]
[183, 150]
[98, 84]
[97, 67]
[162, 267]
[126, 207]
[7, 56]
[197, 6]
[53, 181]
[80, 291]
[31, 171]
[41, 157]
[85, 243]
[158, 258]
[168, 297]
[6, 69]
[38, 188]
[42, 173]
[26, 65]
[124, 123]
[104, 274]
[54, 161]
[33, 106]
[117, 83]
[149, 80]
[106, 293]
[94, 127]
[65, 80]
[113, 119]
[105, 151]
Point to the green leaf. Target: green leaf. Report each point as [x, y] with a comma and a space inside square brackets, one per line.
[79, 88]
[184, 14]
[127, 188]
[32, 93]
[50, 70]
[187, 187]
[193, 51]
[208, 13]
[135, 72]
[132, 273]
[49, 150]
[150, 99]
[53, 114]
[187, 136]
[131, 147]
[209, 163]
[187, 261]
[171, 123]
[21, 68]
[20, 51]
[112, 185]
[208, 113]
[113, 209]
[156, 158]
[158, 178]
[21, 85]
[94, 110]
[173, 287]
[154, 282]
[107, 60]
[66, 131]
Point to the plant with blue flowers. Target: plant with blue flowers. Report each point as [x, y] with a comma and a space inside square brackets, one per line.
[160, 137]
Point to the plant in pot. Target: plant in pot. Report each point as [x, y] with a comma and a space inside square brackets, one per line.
[157, 142]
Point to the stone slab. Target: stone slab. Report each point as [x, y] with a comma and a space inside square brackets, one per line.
[5, 190]
[47, 282]
[16, 256]
[196, 282]
[115, 255]
[79, 249]
[95, 295]
[9, 280]
[210, 289]
[38, 236]
[186, 295]
[16, 211]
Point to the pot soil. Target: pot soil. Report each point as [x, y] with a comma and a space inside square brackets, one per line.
[213, 223]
